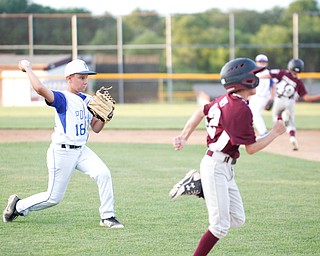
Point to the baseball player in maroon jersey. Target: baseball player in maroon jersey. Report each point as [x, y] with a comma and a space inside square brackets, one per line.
[229, 124]
[287, 85]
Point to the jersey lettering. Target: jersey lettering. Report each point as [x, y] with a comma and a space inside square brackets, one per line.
[80, 114]
[286, 87]
[72, 118]
[80, 129]
[223, 102]
[212, 121]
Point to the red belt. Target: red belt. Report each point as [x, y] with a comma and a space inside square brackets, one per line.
[226, 158]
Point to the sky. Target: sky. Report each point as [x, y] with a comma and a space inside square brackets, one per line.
[164, 7]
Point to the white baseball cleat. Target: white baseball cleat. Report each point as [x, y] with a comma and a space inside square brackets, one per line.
[189, 185]
[294, 142]
[285, 116]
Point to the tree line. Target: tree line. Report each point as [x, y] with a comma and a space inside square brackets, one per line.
[200, 41]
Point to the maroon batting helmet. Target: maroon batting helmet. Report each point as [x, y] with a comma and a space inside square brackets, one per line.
[239, 74]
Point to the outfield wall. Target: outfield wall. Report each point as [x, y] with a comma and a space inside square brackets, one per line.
[137, 88]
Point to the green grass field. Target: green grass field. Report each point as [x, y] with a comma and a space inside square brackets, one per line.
[281, 197]
[142, 116]
[280, 194]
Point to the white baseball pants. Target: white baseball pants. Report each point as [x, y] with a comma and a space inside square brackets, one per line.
[257, 105]
[61, 164]
[222, 197]
[280, 105]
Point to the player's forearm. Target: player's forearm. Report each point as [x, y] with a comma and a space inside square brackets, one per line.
[260, 144]
[263, 75]
[38, 86]
[97, 125]
[311, 98]
[34, 80]
[278, 129]
[192, 124]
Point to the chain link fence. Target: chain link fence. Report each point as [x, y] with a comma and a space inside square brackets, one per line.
[174, 44]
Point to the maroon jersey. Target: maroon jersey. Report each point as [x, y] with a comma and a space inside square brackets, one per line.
[229, 124]
[287, 84]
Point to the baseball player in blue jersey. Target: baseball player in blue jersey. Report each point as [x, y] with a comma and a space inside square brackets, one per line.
[68, 150]
[229, 125]
[258, 101]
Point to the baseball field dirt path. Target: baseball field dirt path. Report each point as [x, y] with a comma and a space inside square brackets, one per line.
[309, 141]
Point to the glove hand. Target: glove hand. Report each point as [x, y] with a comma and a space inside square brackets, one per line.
[102, 105]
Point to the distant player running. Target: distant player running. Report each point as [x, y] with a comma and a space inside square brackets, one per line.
[68, 150]
[229, 124]
[287, 85]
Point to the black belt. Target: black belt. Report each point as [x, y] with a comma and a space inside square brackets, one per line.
[280, 96]
[70, 146]
[225, 160]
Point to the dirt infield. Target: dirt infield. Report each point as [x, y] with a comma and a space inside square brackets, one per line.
[309, 141]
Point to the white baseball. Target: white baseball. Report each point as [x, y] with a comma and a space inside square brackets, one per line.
[23, 63]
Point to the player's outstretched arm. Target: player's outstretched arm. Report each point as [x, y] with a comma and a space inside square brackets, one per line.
[25, 66]
[278, 129]
[180, 141]
[311, 98]
[263, 75]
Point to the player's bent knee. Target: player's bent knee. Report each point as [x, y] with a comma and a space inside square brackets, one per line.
[218, 232]
[54, 200]
[50, 203]
[103, 174]
[238, 221]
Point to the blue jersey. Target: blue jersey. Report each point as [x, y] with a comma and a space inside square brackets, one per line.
[72, 118]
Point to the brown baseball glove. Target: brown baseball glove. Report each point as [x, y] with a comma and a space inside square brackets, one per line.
[102, 105]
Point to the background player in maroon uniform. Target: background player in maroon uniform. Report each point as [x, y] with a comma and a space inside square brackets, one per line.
[229, 124]
[287, 85]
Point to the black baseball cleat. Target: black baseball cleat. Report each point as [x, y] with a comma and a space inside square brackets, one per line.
[111, 223]
[10, 212]
[189, 185]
